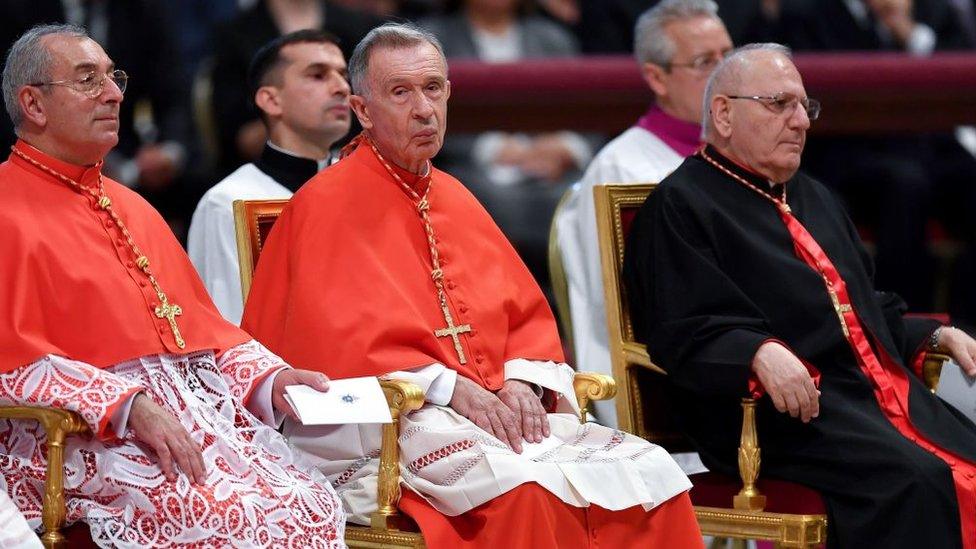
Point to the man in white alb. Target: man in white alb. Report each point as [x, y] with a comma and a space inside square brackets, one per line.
[677, 44]
[299, 86]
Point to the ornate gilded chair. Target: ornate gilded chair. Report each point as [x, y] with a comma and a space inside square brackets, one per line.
[766, 509]
[788, 514]
[253, 220]
[58, 424]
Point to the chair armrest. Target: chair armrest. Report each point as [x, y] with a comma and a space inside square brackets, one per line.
[58, 424]
[932, 369]
[589, 387]
[402, 397]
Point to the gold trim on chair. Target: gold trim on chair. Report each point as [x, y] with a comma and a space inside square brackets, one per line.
[58, 424]
[388, 528]
[590, 387]
[402, 398]
[745, 518]
[932, 369]
[625, 352]
[249, 215]
[800, 531]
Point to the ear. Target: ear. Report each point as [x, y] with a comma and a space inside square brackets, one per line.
[721, 113]
[447, 90]
[358, 105]
[655, 76]
[268, 100]
[31, 105]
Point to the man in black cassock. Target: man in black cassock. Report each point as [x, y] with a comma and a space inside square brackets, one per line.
[746, 277]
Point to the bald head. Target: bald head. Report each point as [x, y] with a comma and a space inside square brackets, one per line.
[755, 111]
[729, 74]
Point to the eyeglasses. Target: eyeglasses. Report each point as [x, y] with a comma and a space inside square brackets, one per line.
[702, 63]
[92, 83]
[785, 102]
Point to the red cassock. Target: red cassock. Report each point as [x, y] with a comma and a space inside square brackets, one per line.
[79, 331]
[344, 287]
[50, 302]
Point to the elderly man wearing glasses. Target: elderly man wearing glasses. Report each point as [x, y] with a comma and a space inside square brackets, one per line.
[747, 278]
[677, 44]
[101, 313]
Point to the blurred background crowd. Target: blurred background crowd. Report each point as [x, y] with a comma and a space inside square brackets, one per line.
[188, 120]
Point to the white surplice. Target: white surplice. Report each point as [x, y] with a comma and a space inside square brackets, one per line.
[212, 240]
[457, 466]
[635, 156]
[259, 492]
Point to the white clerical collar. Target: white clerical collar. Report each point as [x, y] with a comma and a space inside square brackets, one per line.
[322, 164]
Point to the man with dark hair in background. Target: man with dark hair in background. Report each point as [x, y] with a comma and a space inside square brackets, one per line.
[298, 83]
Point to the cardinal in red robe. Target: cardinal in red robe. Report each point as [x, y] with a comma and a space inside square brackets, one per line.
[382, 265]
[101, 313]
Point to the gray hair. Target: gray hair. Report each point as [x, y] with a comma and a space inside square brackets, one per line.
[391, 36]
[728, 74]
[29, 62]
[651, 43]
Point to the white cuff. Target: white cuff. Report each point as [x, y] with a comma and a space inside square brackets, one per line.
[120, 419]
[435, 380]
[921, 42]
[261, 405]
[556, 377]
[441, 390]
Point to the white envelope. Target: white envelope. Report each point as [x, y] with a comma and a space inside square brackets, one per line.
[958, 389]
[353, 400]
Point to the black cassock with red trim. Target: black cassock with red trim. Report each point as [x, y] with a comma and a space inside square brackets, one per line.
[713, 269]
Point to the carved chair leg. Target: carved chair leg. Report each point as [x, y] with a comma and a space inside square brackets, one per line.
[402, 398]
[54, 512]
[749, 498]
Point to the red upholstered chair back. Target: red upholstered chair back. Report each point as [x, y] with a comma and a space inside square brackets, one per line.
[644, 399]
[253, 220]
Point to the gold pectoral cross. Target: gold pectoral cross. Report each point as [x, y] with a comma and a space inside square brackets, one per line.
[452, 332]
[170, 311]
[840, 309]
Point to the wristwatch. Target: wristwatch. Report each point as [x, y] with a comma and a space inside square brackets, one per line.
[934, 338]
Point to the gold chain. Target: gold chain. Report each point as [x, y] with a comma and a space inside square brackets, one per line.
[165, 309]
[780, 202]
[423, 206]
[839, 308]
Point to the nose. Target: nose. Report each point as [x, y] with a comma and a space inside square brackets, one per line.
[423, 106]
[111, 91]
[799, 120]
[341, 86]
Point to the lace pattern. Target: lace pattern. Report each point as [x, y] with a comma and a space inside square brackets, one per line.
[258, 493]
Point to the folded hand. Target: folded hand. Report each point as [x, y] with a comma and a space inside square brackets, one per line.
[787, 381]
[523, 401]
[487, 411]
[315, 380]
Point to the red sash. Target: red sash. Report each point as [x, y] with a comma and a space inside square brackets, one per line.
[888, 378]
